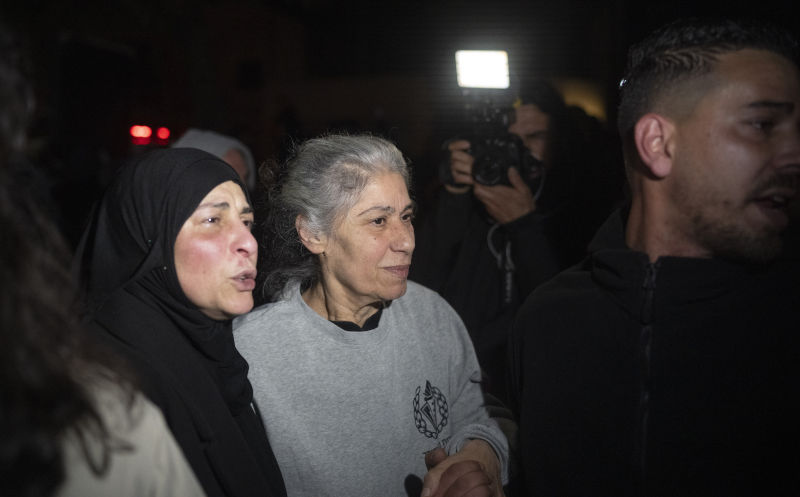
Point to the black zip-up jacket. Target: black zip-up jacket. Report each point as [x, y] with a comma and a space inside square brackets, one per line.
[676, 377]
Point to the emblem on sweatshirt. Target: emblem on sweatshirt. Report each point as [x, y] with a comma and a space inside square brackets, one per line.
[430, 411]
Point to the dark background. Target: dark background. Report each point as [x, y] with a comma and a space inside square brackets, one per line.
[265, 70]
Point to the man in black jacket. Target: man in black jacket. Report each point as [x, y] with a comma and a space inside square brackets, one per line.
[666, 363]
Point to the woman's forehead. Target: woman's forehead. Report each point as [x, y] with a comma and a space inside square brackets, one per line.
[385, 189]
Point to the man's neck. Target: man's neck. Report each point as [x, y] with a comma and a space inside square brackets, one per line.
[650, 229]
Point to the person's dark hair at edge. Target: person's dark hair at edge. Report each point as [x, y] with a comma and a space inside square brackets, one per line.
[686, 49]
[46, 364]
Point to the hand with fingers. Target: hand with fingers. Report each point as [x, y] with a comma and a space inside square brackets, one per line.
[506, 203]
[460, 166]
[474, 471]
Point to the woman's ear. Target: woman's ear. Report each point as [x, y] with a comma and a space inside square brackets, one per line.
[315, 244]
[654, 138]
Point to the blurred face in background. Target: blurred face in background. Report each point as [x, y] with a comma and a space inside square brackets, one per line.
[532, 126]
[237, 161]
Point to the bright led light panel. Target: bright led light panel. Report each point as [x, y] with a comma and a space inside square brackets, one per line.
[482, 68]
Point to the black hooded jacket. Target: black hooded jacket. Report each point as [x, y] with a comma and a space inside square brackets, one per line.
[186, 362]
[669, 378]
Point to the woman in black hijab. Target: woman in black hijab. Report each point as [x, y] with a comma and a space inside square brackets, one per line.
[165, 264]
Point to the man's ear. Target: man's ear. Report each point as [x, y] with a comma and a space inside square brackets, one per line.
[654, 138]
[314, 243]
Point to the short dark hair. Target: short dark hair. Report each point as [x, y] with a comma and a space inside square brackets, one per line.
[542, 94]
[686, 49]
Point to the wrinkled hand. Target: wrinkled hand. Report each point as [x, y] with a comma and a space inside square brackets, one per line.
[472, 472]
[506, 203]
[460, 166]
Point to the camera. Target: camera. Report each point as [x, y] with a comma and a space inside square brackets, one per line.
[495, 149]
[484, 80]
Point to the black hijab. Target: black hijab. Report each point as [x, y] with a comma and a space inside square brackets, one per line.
[130, 245]
[125, 264]
[133, 229]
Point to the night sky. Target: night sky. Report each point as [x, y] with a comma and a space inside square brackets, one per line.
[264, 71]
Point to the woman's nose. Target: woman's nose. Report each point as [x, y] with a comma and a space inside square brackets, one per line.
[403, 238]
[245, 242]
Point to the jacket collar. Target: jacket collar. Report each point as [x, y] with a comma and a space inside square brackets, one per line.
[676, 281]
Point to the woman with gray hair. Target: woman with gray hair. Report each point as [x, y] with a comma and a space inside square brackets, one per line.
[368, 383]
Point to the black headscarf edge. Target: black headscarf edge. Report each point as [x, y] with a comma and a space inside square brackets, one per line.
[133, 227]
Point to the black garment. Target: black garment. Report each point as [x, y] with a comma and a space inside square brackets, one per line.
[454, 257]
[186, 362]
[671, 378]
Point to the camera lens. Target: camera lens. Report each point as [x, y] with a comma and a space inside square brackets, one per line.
[490, 168]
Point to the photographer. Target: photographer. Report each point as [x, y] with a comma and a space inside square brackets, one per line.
[484, 247]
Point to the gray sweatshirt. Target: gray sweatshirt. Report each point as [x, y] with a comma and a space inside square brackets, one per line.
[352, 413]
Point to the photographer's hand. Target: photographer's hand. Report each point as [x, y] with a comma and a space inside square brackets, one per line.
[506, 203]
[460, 166]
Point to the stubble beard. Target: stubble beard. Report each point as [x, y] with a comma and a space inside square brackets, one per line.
[719, 227]
[727, 240]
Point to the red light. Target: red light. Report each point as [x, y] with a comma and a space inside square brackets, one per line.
[162, 133]
[140, 134]
[139, 131]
